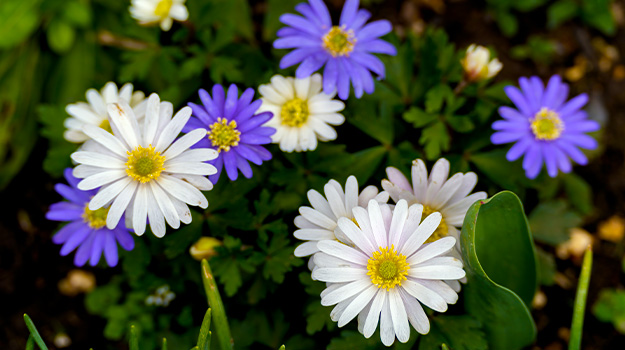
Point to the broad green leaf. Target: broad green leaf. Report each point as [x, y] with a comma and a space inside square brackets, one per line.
[19, 19]
[500, 261]
[546, 267]
[552, 221]
[459, 332]
[498, 169]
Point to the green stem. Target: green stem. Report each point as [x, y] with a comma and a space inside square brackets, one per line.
[34, 333]
[220, 321]
[577, 325]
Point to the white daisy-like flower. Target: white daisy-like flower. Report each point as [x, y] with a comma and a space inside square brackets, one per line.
[94, 112]
[142, 171]
[318, 222]
[451, 197]
[164, 12]
[387, 271]
[302, 113]
[477, 64]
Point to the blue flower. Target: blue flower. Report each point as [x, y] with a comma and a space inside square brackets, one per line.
[87, 228]
[545, 127]
[345, 50]
[234, 130]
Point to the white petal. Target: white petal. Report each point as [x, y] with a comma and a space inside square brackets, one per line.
[271, 95]
[399, 316]
[101, 179]
[172, 129]
[417, 317]
[106, 139]
[107, 193]
[165, 204]
[150, 124]
[351, 195]
[197, 155]
[436, 272]
[433, 249]
[438, 176]
[282, 86]
[371, 323]
[367, 194]
[387, 331]
[306, 249]
[342, 251]
[419, 180]
[313, 234]
[98, 160]
[320, 204]
[324, 106]
[193, 168]
[155, 216]
[183, 143]
[421, 234]
[123, 118]
[339, 274]
[317, 218]
[357, 305]
[425, 295]
[96, 101]
[302, 86]
[353, 232]
[448, 189]
[377, 224]
[82, 171]
[336, 201]
[84, 113]
[400, 214]
[140, 210]
[120, 204]
[182, 190]
[345, 291]
[441, 288]
[183, 210]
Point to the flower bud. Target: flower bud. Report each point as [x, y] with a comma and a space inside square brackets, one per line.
[477, 66]
[204, 248]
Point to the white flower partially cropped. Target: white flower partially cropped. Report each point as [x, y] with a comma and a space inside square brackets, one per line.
[163, 12]
[478, 65]
[451, 197]
[302, 113]
[318, 223]
[94, 112]
[144, 171]
[388, 272]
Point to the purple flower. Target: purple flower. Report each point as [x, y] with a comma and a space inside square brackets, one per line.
[545, 127]
[87, 228]
[346, 49]
[233, 130]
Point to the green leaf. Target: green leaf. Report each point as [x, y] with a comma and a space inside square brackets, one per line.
[220, 321]
[19, 19]
[552, 221]
[435, 140]
[459, 332]
[498, 169]
[30, 343]
[500, 262]
[579, 192]
[77, 13]
[575, 341]
[318, 316]
[560, 12]
[418, 117]
[61, 36]
[59, 150]
[507, 23]
[99, 300]
[34, 333]
[364, 163]
[597, 13]
[134, 341]
[435, 97]
[374, 120]
[610, 307]
[275, 9]
[546, 267]
[352, 340]
[460, 123]
[184, 237]
[204, 338]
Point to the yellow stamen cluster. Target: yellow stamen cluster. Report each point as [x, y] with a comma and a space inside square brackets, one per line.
[144, 164]
[339, 42]
[96, 219]
[387, 268]
[295, 113]
[547, 125]
[441, 231]
[162, 8]
[224, 135]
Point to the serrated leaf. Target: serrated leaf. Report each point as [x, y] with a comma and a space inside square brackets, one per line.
[610, 307]
[460, 123]
[318, 317]
[418, 117]
[551, 222]
[435, 97]
[500, 262]
[435, 140]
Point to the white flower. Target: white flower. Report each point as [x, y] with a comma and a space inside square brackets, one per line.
[142, 171]
[94, 112]
[476, 63]
[450, 196]
[318, 223]
[159, 11]
[388, 272]
[301, 112]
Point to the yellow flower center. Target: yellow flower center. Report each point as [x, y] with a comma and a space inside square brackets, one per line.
[162, 8]
[224, 135]
[295, 113]
[547, 125]
[387, 268]
[96, 219]
[339, 42]
[106, 125]
[144, 164]
[441, 231]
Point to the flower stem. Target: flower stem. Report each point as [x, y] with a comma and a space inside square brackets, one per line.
[575, 341]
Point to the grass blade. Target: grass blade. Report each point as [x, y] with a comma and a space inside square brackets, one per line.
[204, 339]
[34, 333]
[134, 341]
[220, 321]
[577, 325]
